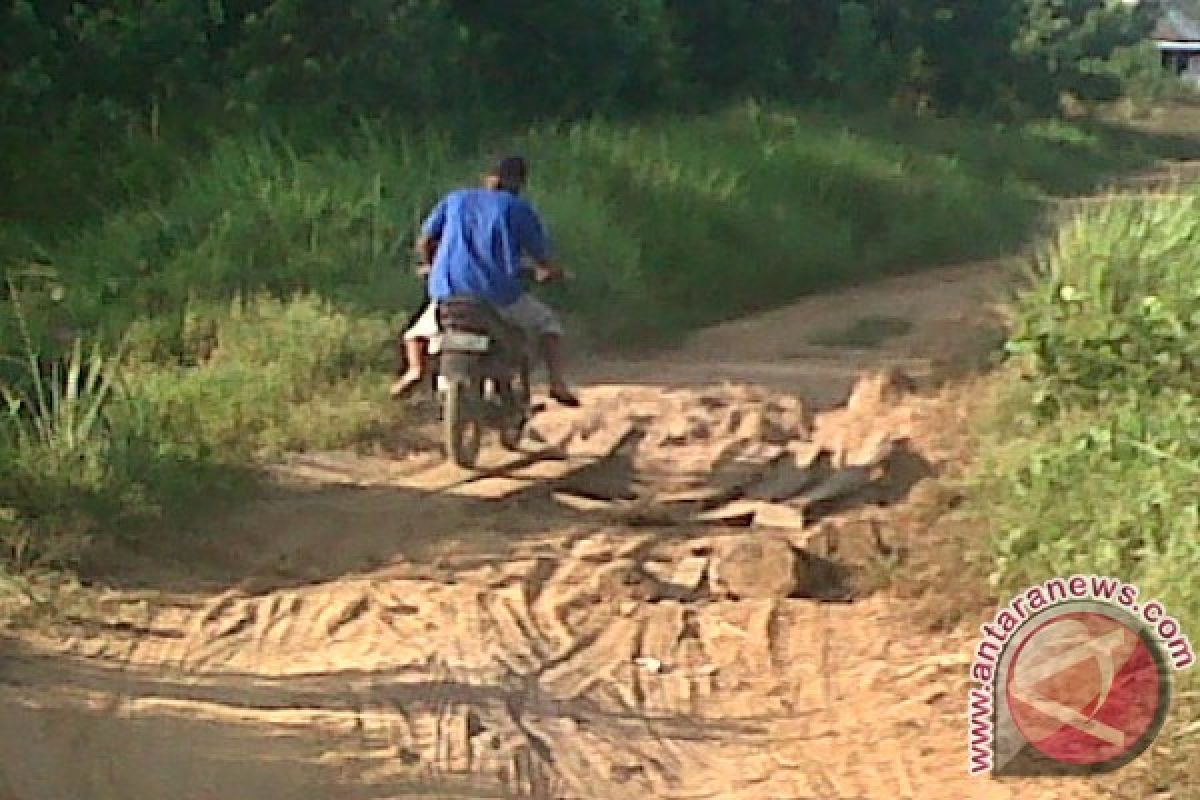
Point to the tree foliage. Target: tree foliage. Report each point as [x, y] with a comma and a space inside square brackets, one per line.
[1070, 43]
[126, 58]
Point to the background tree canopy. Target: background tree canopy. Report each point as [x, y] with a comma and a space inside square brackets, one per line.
[107, 76]
[546, 57]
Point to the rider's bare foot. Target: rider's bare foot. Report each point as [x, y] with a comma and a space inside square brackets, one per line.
[405, 384]
[564, 396]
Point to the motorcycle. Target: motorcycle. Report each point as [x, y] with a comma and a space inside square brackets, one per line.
[481, 365]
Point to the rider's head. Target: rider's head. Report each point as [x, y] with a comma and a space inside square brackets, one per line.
[508, 174]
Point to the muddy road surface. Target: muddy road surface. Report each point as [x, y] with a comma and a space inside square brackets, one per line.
[674, 593]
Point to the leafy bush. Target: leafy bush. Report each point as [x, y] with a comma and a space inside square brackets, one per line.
[1111, 492]
[1115, 304]
[1146, 85]
[1093, 459]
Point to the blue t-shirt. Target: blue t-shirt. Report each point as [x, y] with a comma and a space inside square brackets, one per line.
[482, 234]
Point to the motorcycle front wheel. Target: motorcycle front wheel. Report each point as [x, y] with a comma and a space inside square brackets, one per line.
[517, 402]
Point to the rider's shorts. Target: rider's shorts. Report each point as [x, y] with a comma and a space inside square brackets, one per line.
[528, 313]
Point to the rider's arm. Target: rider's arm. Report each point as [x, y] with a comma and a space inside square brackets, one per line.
[532, 237]
[431, 232]
[427, 248]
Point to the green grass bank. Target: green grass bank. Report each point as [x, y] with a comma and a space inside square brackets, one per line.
[1091, 458]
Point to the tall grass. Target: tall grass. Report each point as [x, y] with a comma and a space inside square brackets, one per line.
[261, 377]
[1093, 461]
[669, 224]
[95, 444]
[56, 445]
[1116, 303]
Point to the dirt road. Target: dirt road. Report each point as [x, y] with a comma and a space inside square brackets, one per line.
[672, 595]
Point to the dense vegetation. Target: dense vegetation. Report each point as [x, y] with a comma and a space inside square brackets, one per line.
[1091, 456]
[218, 198]
[1096, 456]
[117, 77]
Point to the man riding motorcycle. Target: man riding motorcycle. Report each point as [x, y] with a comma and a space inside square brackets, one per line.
[474, 239]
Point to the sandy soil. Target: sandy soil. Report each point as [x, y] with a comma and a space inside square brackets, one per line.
[584, 620]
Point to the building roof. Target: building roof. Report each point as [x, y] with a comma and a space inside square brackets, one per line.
[1176, 26]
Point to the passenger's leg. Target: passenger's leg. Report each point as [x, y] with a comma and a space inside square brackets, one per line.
[416, 351]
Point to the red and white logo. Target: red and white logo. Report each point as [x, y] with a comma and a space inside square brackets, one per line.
[1072, 677]
[1086, 688]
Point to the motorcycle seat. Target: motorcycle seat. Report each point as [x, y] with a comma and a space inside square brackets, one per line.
[468, 314]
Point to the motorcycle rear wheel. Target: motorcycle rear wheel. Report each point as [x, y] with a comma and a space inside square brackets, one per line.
[462, 431]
